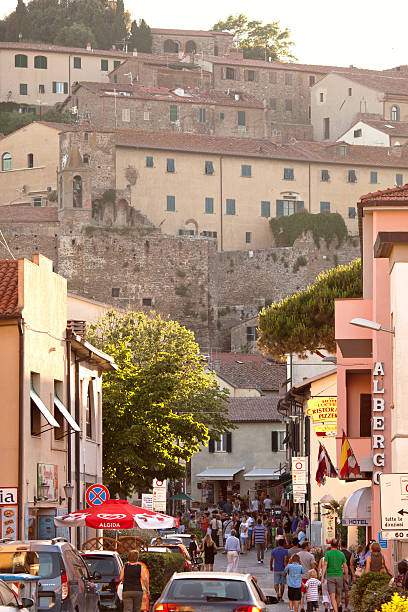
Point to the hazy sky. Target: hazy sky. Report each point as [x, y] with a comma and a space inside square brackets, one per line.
[364, 33]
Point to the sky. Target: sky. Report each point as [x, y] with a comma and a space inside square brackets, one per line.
[363, 33]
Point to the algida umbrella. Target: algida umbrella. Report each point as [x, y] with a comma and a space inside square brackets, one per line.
[116, 514]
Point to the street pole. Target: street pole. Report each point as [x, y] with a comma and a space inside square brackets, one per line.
[308, 486]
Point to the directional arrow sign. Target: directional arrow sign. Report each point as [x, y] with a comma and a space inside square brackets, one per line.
[394, 503]
[402, 512]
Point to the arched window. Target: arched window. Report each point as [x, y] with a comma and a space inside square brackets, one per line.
[20, 61]
[191, 47]
[40, 61]
[30, 160]
[171, 46]
[395, 113]
[77, 192]
[6, 162]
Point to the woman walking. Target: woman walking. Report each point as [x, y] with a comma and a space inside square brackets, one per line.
[135, 581]
[209, 548]
[376, 561]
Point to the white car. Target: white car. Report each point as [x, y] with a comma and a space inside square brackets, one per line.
[173, 538]
[9, 600]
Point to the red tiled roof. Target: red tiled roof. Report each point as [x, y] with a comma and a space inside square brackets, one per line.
[254, 409]
[8, 288]
[188, 32]
[59, 49]
[394, 85]
[249, 371]
[395, 194]
[11, 213]
[392, 128]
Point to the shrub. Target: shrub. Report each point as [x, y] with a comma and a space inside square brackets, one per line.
[373, 580]
[287, 229]
[109, 195]
[398, 603]
[161, 567]
[300, 261]
[374, 597]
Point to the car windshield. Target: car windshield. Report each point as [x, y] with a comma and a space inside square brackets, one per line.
[105, 566]
[44, 564]
[204, 589]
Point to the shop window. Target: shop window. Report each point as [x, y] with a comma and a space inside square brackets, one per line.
[77, 192]
[40, 61]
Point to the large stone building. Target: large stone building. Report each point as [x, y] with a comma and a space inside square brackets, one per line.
[187, 42]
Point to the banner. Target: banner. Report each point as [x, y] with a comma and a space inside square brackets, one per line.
[323, 412]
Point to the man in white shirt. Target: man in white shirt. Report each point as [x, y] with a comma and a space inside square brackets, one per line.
[268, 503]
[255, 505]
[233, 548]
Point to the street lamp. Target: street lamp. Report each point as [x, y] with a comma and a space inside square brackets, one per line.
[69, 492]
[366, 323]
[43, 489]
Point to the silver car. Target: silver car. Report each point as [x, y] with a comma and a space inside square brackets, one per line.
[9, 600]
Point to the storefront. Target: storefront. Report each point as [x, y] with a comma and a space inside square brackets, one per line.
[218, 483]
[264, 482]
[8, 513]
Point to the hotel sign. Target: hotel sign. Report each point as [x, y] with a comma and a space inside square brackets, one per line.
[378, 421]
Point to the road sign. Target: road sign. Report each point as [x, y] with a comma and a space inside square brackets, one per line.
[394, 504]
[159, 506]
[298, 488]
[298, 499]
[159, 484]
[147, 501]
[394, 535]
[383, 542]
[299, 464]
[96, 495]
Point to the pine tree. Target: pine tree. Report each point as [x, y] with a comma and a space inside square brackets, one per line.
[22, 24]
[140, 37]
[119, 31]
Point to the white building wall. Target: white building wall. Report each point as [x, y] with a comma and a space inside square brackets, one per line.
[370, 136]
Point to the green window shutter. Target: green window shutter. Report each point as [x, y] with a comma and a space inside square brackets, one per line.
[399, 180]
[65, 88]
[54, 87]
[171, 203]
[241, 118]
[300, 206]
[116, 64]
[209, 206]
[230, 208]
[229, 443]
[173, 112]
[170, 165]
[275, 441]
[211, 445]
[279, 208]
[104, 65]
[77, 62]
[265, 209]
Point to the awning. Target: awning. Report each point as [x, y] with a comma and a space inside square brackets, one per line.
[67, 416]
[43, 408]
[264, 474]
[219, 473]
[357, 509]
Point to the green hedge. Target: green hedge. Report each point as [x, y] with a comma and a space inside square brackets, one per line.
[322, 225]
[370, 590]
[161, 567]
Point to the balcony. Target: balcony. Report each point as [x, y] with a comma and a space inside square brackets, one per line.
[352, 341]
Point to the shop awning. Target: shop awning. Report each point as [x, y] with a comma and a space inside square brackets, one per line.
[219, 473]
[264, 474]
[67, 416]
[357, 509]
[43, 408]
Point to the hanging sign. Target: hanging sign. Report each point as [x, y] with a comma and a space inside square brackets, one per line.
[323, 412]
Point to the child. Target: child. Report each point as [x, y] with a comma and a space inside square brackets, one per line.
[294, 571]
[312, 591]
[400, 579]
[325, 593]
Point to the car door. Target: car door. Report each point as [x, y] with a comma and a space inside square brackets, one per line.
[91, 596]
[76, 584]
[7, 598]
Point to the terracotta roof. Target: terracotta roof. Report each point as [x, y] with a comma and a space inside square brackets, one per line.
[188, 32]
[394, 85]
[60, 49]
[398, 195]
[28, 214]
[163, 94]
[249, 371]
[254, 409]
[8, 288]
[392, 128]
[61, 127]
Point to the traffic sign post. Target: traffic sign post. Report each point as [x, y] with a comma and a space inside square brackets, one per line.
[96, 495]
[159, 495]
[394, 506]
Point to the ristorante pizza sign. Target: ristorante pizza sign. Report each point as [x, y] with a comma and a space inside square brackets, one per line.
[323, 412]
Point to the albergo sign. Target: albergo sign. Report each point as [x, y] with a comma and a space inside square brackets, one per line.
[378, 421]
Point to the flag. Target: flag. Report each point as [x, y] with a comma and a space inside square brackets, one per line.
[325, 468]
[348, 461]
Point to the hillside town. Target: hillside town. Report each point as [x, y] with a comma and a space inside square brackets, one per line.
[203, 271]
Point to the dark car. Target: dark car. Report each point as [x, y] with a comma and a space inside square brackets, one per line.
[108, 565]
[211, 592]
[65, 584]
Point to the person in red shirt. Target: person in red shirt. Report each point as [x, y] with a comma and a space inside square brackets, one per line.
[204, 524]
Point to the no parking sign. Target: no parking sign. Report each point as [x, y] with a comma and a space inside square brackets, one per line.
[96, 495]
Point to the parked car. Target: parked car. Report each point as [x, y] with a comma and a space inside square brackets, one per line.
[108, 565]
[159, 549]
[65, 584]
[9, 600]
[182, 550]
[212, 591]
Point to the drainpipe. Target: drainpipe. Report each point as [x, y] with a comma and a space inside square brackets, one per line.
[69, 449]
[20, 502]
[310, 192]
[77, 449]
[221, 208]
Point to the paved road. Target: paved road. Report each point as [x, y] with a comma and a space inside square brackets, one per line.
[248, 564]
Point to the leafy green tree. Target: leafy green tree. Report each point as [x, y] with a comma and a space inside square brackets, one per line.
[140, 37]
[75, 35]
[258, 40]
[159, 406]
[11, 121]
[119, 29]
[304, 322]
[22, 24]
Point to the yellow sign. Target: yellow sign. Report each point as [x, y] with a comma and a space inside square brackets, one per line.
[323, 412]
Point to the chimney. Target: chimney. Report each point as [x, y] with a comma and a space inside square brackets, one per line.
[113, 48]
[89, 47]
[134, 53]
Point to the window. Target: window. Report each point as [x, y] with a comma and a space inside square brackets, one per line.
[230, 207]
[20, 61]
[202, 115]
[399, 180]
[173, 112]
[37, 202]
[149, 161]
[230, 74]
[146, 116]
[282, 438]
[86, 136]
[272, 103]
[23, 89]
[40, 61]
[30, 160]
[324, 207]
[186, 232]
[288, 106]
[115, 292]
[285, 208]
[241, 118]
[171, 203]
[209, 167]
[115, 78]
[246, 170]
[209, 206]
[251, 334]
[321, 97]
[6, 162]
[170, 165]
[41, 89]
[326, 128]
[395, 113]
[343, 150]
[373, 178]
[59, 432]
[77, 192]
[272, 77]
[7, 597]
[116, 64]
[147, 301]
[223, 445]
[288, 78]
[278, 441]
[248, 237]
[104, 65]
[325, 176]
[352, 178]
[90, 412]
[77, 63]
[312, 80]
[85, 159]
[35, 414]
[222, 116]
[351, 212]
[250, 75]
[365, 415]
[126, 114]
[209, 234]
[58, 87]
[350, 91]
[265, 209]
[358, 133]
[288, 174]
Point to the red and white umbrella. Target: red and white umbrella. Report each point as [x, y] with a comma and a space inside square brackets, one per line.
[116, 514]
